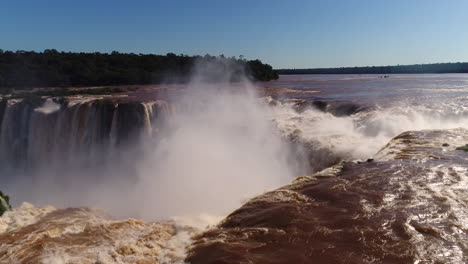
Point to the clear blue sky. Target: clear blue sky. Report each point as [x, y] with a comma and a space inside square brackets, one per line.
[284, 33]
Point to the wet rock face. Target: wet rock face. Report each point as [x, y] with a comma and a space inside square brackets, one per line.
[336, 108]
[316, 156]
[130, 121]
[409, 205]
[3, 105]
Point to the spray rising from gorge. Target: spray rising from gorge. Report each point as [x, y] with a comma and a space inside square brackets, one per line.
[91, 151]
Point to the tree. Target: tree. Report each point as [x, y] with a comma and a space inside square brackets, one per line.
[25, 70]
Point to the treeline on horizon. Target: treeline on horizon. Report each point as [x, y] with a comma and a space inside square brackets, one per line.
[50, 68]
[458, 67]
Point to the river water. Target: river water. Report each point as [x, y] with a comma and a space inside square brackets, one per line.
[210, 148]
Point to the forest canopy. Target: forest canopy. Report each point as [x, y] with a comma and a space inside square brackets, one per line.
[458, 67]
[29, 69]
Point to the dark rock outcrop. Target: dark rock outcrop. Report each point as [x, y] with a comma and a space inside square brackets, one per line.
[336, 108]
[3, 105]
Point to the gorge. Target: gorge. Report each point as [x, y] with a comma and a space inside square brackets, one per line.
[356, 188]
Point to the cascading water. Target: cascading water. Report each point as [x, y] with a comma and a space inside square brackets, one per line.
[217, 150]
[359, 135]
[73, 133]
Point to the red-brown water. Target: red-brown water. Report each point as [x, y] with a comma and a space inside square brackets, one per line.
[372, 89]
[407, 206]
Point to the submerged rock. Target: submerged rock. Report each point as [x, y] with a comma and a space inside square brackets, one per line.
[407, 206]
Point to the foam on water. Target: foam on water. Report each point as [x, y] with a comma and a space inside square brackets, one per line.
[22, 216]
[361, 135]
[48, 107]
[79, 235]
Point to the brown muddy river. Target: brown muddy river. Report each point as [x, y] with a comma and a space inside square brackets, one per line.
[305, 169]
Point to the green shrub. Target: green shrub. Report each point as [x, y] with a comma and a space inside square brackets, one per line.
[464, 148]
[4, 203]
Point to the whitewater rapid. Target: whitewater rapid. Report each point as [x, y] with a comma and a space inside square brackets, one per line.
[360, 135]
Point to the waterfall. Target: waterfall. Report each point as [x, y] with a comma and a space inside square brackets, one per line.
[76, 133]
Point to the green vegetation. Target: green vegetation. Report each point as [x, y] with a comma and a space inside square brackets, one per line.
[25, 70]
[261, 72]
[417, 68]
[464, 148]
[4, 203]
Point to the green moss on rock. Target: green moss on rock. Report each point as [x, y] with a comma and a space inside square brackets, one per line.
[464, 148]
[4, 203]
